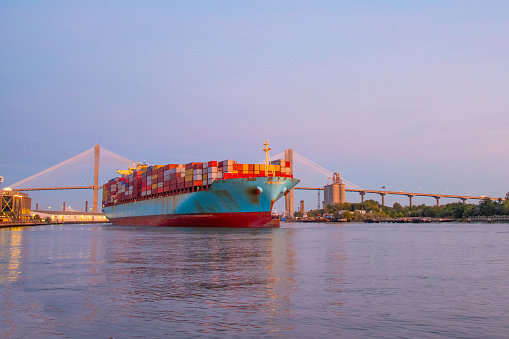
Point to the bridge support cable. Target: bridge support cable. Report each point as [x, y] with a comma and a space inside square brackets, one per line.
[310, 173]
[81, 171]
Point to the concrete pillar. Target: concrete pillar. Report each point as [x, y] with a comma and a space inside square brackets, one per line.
[289, 196]
[96, 178]
[464, 200]
[410, 196]
[383, 198]
[63, 207]
[291, 203]
[362, 196]
[438, 201]
[86, 206]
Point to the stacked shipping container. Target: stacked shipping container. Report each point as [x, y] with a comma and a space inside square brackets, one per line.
[176, 179]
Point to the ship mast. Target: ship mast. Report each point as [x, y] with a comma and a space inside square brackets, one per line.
[266, 149]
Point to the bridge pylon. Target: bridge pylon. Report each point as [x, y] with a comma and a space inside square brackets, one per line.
[96, 178]
[289, 196]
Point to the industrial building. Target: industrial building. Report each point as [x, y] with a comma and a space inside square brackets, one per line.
[69, 216]
[335, 192]
[15, 205]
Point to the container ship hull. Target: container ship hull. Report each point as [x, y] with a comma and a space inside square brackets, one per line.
[236, 202]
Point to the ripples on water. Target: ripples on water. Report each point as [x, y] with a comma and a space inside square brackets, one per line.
[303, 280]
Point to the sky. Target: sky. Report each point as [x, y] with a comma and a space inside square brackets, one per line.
[411, 95]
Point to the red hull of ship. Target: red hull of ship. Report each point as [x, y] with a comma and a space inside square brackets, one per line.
[244, 219]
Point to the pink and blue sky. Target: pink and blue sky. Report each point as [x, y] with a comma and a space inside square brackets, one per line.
[407, 94]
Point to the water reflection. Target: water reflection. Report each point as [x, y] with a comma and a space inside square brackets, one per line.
[236, 272]
[80, 280]
[10, 240]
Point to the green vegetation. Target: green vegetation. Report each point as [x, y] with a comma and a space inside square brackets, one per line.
[372, 209]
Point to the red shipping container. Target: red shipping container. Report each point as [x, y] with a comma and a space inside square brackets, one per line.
[197, 183]
[159, 190]
[212, 164]
[188, 184]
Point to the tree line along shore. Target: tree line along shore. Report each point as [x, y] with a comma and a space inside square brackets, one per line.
[371, 209]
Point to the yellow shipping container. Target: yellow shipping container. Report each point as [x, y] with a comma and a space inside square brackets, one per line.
[154, 186]
[189, 178]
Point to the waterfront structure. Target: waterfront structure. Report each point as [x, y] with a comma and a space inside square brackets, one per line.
[15, 205]
[69, 216]
[335, 192]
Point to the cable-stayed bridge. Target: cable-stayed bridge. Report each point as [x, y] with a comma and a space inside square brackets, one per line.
[92, 168]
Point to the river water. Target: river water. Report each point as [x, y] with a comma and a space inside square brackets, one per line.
[302, 280]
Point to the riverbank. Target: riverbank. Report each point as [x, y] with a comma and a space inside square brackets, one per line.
[43, 223]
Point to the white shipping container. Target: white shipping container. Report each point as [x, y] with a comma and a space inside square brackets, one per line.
[198, 171]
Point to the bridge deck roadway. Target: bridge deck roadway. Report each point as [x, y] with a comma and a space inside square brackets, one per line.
[408, 194]
[57, 188]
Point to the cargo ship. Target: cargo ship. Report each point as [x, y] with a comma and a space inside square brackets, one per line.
[199, 194]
